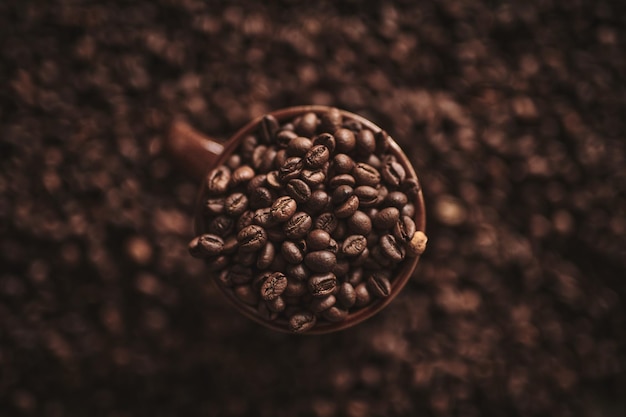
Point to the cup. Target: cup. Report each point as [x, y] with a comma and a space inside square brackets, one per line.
[197, 154]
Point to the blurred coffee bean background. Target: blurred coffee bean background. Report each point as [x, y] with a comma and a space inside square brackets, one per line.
[513, 114]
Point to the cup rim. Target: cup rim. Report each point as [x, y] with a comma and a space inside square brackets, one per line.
[401, 278]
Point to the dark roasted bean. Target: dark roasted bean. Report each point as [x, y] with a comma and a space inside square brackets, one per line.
[348, 208]
[217, 263]
[235, 204]
[365, 142]
[241, 175]
[411, 188]
[341, 194]
[240, 274]
[379, 285]
[272, 179]
[246, 295]
[341, 231]
[327, 222]
[346, 295]
[221, 226]
[261, 197]
[396, 199]
[404, 229]
[256, 182]
[392, 248]
[318, 239]
[277, 304]
[274, 285]
[330, 120]
[354, 245]
[295, 288]
[341, 179]
[359, 223]
[244, 258]
[302, 321]
[206, 245]
[318, 201]
[341, 268]
[291, 169]
[345, 140]
[335, 314]
[386, 218]
[382, 142]
[298, 225]
[291, 252]
[264, 311]
[298, 271]
[214, 206]
[299, 190]
[281, 158]
[319, 304]
[327, 140]
[320, 261]
[363, 296]
[267, 162]
[217, 180]
[284, 137]
[355, 276]
[263, 217]
[342, 164]
[268, 127]
[266, 256]
[257, 156]
[233, 162]
[244, 220]
[283, 208]
[393, 173]
[307, 124]
[408, 210]
[368, 196]
[322, 284]
[365, 174]
[251, 238]
[313, 177]
[230, 245]
[299, 146]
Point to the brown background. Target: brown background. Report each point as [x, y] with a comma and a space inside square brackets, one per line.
[512, 114]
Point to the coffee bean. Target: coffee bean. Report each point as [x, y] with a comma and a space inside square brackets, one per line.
[332, 245]
[320, 304]
[256, 182]
[341, 231]
[318, 239]
[248, 145]
[417, 244]
[368, 196]
[341, 268]
[327, 140]
[345, 140]
[361, 258]
[335, 314]
[273, 286]
[283, 208]
[266, 256]
[307, 124]
[267, 161]
[240, 274]
[233, 162]
[257, 156]
[313, 177]
[298, 272]
[298, 190]
[246, 295]
[320, 261]
[382, 142]
[392, 247]
[221, 226]
[365, 174]
[374, 161]
[251, 238]
[273, 181]
[359, 223]
[365, 142]
[330, 120]
[379, 285]
[277, 304]
[341, 194]
[230, 245]
[411, 188]
[404, 229]
[327, 222]
[295, 288]
[206, 245]
[363, 296]
[214, 206]
[280, 159]
[245, 258]
[291, 169]
[319, 201]
[299, 146]
[224, 278]
[244, 220]
[298, 225]
[265, 313]
[386, 218]
[322, 284]
[235, 204]
[408, 210]
[354, 245]
[268, 127]
[353, 125]
[347, 295]
[393, 173]
[283, 137]
[396, 199]
[380, 257]
[217, 180]
[263, 217]
[261, 197]
[241, 175]
[355, 276]
[342, 164]
[348, 208]
[291, 252]
[302, 321]
[217, 263]
[342, 179]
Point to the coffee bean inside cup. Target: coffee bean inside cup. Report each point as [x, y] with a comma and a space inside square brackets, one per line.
[311, 222]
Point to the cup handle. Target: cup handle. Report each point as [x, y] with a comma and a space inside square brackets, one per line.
[192, 151]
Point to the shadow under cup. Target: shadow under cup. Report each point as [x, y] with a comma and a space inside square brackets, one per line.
[404, 270]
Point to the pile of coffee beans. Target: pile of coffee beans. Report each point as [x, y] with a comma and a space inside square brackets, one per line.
[310, 220]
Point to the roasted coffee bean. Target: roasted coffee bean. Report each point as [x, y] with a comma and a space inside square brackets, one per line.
[244, 258]
[341, 268]
[342, 164]
[332, 245]
[354, 245]
[341, 194]
[283, 138]
[298, 225]
[411, 188]
[341, 179]
[283, 208]
[273, 286]
[380, 257]
[319, 304]
[368, 196]
[320, 261]
[273, 181]
[355, 276]
[217, 180]
[363, 296]
[379, 285]
[224, 278]
[313, 177]
[408, 210]
[206, 245]
[257, 156]
[365, 142]
[277, 304]
[386, 218]
[263, 217]
[268, 127]
[246, 295]
[256, 182]
[235, 204]
[233, 162]
[330, 120]
[218, 263]
[348, 208]
[241, 175]
[291, 169]
[267, 162]
[396, 199]
[244, 220]
[318, 201]
[299, 146]
[214, 206]
[221, 226]
[295, 288]
[365, 174]
[345, 140]
[327, 222]
[359, 223]
[265, 313]
[251, 238]
[318, 239]
[353, 125]
[325, 139]
[341, 231]
[322, 284]
[261, 197]
[346, 295]
[361, 258]
[230, 245]
[240, 274]
[335, 314]
[382, 142]
[298, 190]
[291, 252]
[404, 229]
[374, 161]
[266, 256]
[248, 145]
[307, 124]
[281, 158]
[393, 173]
[392, 247]
[298, 271]
[417, 244]
[302, 321]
